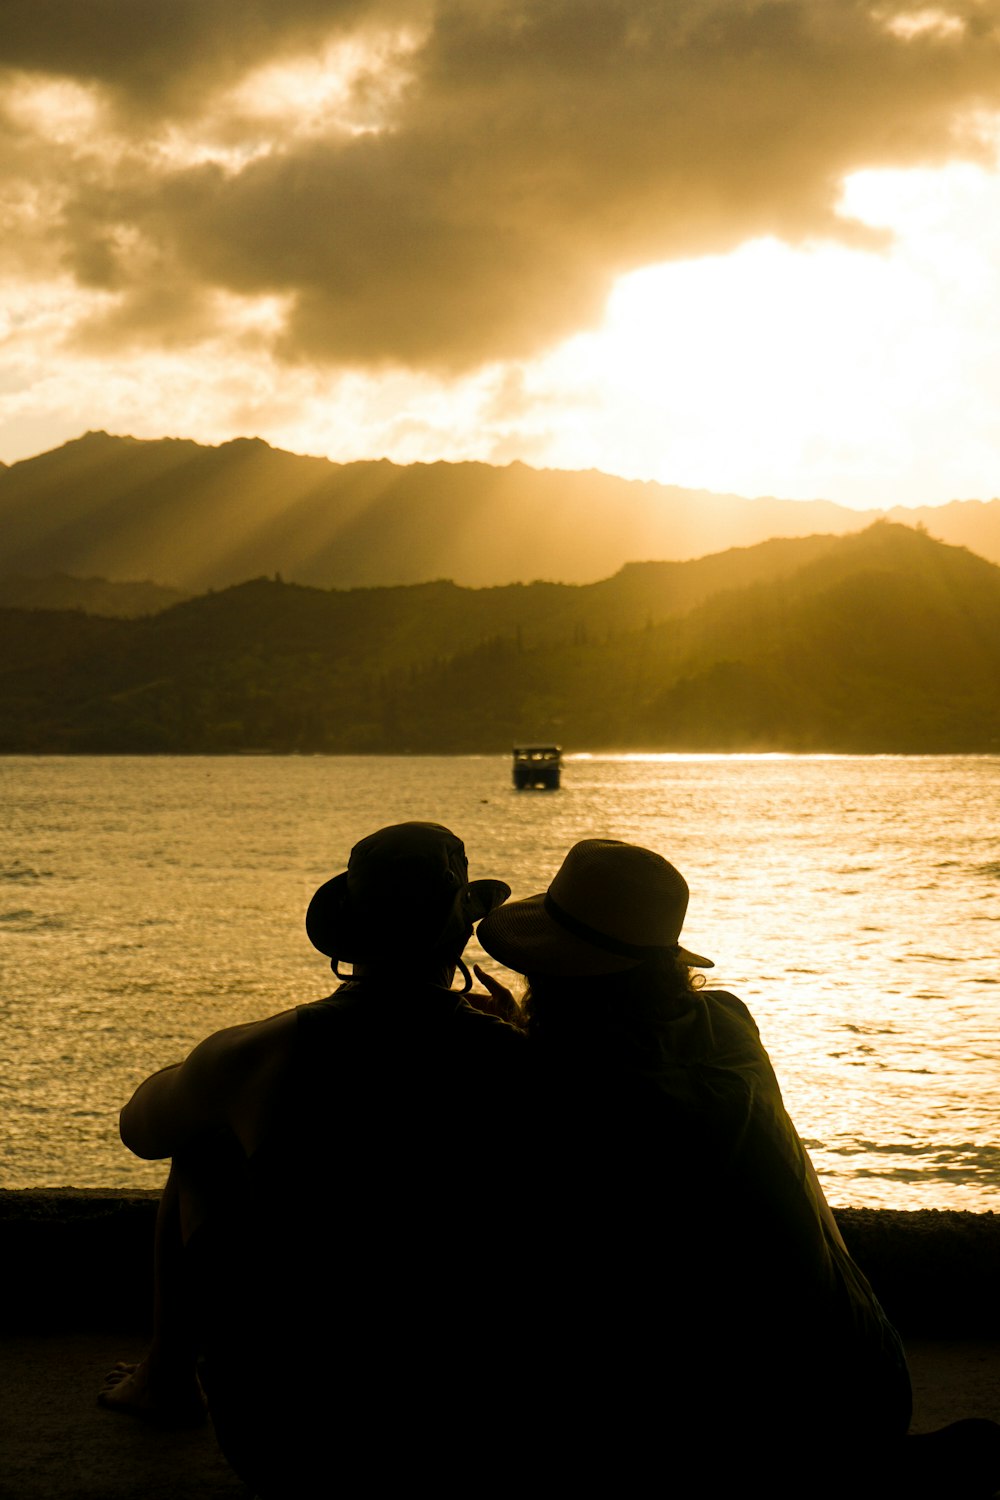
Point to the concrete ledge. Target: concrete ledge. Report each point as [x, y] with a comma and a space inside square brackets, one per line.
[77, 1260]
[933, 1270]
[81, 1260]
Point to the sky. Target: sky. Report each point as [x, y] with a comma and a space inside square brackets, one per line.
[749, 246]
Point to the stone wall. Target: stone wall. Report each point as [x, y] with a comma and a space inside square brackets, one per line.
[82, 1260]
[77, 1260]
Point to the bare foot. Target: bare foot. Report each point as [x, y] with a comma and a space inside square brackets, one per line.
[138, 1391]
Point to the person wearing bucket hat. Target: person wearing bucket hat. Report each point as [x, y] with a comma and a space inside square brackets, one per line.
[404, 899]
[688, 1212]
[341, 1172]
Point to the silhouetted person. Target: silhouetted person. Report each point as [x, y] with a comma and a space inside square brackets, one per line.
[707, 1325]
[342, 1183]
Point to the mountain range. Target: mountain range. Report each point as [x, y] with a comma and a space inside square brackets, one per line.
[192, 518]
[885, 640]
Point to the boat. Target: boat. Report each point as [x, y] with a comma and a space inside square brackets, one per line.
[537, 768]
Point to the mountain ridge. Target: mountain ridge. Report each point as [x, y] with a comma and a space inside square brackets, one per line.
[191, 517]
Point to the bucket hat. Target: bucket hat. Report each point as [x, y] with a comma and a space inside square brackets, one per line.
[406, 891]
[610, 906]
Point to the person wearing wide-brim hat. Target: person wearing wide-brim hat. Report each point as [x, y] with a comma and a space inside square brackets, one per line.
[341, 1172]
[717, 1286]
[610, 907]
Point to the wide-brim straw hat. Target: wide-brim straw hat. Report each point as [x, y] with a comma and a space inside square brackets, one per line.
[406, 890]
[610, 907]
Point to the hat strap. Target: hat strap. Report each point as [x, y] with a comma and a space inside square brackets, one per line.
[602, 939]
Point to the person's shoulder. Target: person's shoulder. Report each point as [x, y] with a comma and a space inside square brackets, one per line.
[249, 1032]
[723, 1003]
[247, 1039]
[723, 999]
[346, 997]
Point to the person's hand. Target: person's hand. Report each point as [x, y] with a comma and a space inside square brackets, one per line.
[498, 1000]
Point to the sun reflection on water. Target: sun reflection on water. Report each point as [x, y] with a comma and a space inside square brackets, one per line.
[853, 903]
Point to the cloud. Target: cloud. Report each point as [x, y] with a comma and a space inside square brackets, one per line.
[163, 58]
[439, 186]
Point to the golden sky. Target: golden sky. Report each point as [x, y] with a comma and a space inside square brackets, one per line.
[745, 245]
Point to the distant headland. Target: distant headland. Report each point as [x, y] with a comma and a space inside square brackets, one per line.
[882, 641]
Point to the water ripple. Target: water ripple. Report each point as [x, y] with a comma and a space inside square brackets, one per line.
[24, 919]
[981, 1157]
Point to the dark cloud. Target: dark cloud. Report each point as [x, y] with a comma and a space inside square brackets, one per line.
[532, 150]
[163, 57]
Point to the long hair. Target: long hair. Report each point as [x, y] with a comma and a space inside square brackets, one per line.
[624, 1013]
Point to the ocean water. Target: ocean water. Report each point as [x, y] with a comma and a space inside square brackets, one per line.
[852, 902]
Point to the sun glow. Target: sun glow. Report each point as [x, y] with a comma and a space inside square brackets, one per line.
[745, 361]
[772, 368]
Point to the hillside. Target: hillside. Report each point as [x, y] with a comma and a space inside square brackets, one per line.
[882, 641]
[94, 596]
[195, 518]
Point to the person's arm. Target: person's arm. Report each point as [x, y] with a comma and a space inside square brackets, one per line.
[826, 1212]
[226, 1081]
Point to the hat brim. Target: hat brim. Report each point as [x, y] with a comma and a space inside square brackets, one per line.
[329, 925]
[485, 896]
[524, 937]
[325, 915]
